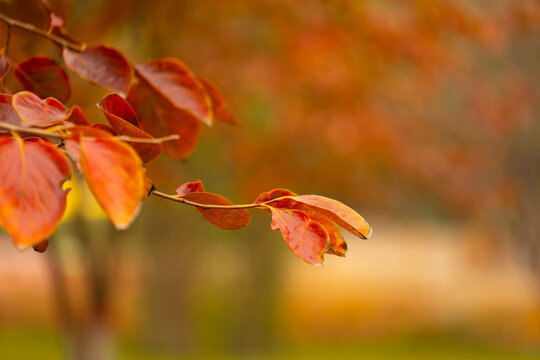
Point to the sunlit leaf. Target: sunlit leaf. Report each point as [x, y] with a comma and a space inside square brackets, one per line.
[190, 187]
[36, 112]
[76, 116]
[44, 78]
[123, 120]
[306, 238]
[31, 197]
[223, 218]
[102, 66]
[274, 194]
[340, 213]
[7, 111]
[113, 171]
[327, 217]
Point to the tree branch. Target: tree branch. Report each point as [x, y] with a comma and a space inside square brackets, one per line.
[57, 135]
[43, 33]
[209, 206]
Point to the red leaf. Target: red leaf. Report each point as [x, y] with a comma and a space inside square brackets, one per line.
[177, 83]
[5, 65]
[44, 78]
[42, 246]
[329, 213]
[36, 112]
[338, 212]
[336, 242]
[159, 117]
[223, 218]
[102, 66]
[7, 111]
[306, 238]
[190, 187]
[113, 171]
[76, 116]
[274, 194]
[220, 108]
[32, 201]
[123, 120]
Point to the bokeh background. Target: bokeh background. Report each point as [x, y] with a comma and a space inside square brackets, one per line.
[421, 115]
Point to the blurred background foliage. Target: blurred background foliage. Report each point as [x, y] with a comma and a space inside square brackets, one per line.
[422, 115]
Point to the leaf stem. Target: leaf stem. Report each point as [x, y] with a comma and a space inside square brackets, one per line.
[57, 135]
[210, 206]
[38, 31]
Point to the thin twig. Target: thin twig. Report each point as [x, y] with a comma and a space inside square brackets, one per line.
[8, 39]
[57, 135]
[148, 140]
[38, 31]
[208, 206]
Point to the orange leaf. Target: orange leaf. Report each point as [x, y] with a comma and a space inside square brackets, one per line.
[220, 108]
[190, 187]
[5, 65]
[337, 245]
[306, 238]
[274, 194]
[177, 83]
[340, 213]
[7, 111]
[32, 201]
[102, 66]
[113, 171]
[44, 78]
[223, 218]
[76, 116]
[123, 120]
[159, 117]
[36, 112]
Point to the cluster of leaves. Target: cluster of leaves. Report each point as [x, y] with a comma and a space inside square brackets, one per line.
[159, 101]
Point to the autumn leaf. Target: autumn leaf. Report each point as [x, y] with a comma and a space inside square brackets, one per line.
[173, 80]
[190, 187]
[220, 108]
[44, 78]
[159, 117]
[274, 194]
[7, 111]
[123, 120]
[329, 217]
[340, 213]
[31, 197]
[5, 65]
[306, 238]
[223, 218]
[36, 112]
[76, 116]
[102, 66]
[113, 171]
